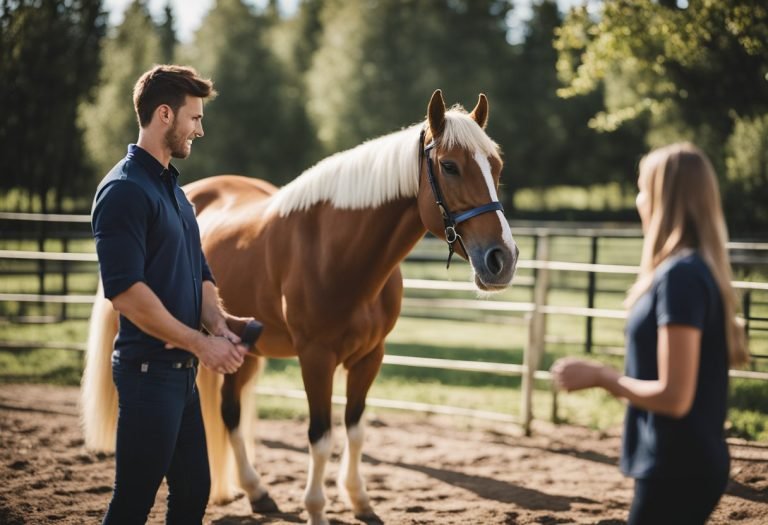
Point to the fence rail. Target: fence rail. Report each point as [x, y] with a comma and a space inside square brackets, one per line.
[532, 314]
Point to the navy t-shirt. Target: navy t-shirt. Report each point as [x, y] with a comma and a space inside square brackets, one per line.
[683, 292]
[145, 230]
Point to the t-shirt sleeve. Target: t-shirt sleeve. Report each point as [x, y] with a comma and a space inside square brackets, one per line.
[120, 218]
[681, 297]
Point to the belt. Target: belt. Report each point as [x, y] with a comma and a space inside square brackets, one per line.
[146, 365]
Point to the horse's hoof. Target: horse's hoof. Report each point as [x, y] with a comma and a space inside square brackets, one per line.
[264, 505]
[370, 518]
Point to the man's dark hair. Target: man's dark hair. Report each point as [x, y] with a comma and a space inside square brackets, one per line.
[167, 84]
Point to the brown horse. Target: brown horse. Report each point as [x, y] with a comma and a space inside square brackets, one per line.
[318, 263]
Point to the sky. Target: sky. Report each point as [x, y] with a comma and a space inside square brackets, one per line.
[189, 13]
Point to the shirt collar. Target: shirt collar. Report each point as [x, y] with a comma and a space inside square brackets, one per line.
[150, 163]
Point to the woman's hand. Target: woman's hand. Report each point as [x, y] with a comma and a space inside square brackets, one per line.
[570, 373]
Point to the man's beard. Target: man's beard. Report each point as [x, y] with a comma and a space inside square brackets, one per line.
[176, 143]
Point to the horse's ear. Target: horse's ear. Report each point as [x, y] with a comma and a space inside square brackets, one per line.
[436, 113]
[480, 113]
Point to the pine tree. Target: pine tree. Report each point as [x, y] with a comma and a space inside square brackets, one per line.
[168, 34]
[256, 126]
[110, 121]
[378, 63]
[49, 63]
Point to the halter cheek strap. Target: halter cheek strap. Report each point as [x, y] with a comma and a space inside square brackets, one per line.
[450, 220]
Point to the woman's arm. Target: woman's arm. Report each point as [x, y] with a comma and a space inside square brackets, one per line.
[672, 394]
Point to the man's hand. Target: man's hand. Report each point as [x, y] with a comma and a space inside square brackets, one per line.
[219, 353]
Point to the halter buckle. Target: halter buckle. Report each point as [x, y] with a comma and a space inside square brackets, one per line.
[451, 234]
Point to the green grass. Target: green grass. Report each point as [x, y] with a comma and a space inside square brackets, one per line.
[597, 197]
[466, 335]
[18, 199]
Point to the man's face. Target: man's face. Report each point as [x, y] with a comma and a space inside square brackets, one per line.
[187, 125]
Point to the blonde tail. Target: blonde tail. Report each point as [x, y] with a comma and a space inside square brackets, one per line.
[98, 396]
[220, 456]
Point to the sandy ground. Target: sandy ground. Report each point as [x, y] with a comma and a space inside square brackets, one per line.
[419, 470]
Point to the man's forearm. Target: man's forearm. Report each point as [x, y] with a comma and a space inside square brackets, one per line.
[140, 304]
[212, 315]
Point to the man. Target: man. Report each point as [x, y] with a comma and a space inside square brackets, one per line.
[154, 272]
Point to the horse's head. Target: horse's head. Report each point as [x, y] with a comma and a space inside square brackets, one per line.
[458, 200]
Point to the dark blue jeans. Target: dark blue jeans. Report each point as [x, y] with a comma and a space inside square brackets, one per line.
[159, 434]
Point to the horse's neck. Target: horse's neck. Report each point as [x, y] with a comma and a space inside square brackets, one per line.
[373, 242]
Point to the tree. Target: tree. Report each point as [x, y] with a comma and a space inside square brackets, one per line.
[307, 29]
[691, 72]
[257, 126]
[167, 35]
[49, 63]
[747, 167]
[110, 121]
[547, 139]
[377, 63]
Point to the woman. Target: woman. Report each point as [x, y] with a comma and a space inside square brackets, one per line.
[682, 335]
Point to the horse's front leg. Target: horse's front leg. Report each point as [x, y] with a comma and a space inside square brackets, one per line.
[350, 482]
[234, 387]
[317, 368]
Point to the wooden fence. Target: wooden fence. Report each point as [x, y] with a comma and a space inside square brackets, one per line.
[532, 313]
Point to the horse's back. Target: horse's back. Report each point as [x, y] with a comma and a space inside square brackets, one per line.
[227, 191]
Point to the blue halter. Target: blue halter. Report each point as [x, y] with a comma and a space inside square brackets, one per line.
[450, 220]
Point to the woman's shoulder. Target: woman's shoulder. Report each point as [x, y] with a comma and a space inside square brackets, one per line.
[687, 266]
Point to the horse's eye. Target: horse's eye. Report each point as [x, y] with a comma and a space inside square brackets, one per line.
[449, 168]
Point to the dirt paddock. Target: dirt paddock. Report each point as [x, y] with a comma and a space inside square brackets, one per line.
[419, 470]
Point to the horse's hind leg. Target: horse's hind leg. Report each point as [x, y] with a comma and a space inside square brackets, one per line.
[231, 393]
[360, 376]
[317, 368]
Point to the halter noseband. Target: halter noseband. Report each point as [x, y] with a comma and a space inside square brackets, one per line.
[450, 220]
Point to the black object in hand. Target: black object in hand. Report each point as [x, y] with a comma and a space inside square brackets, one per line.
[251, 332]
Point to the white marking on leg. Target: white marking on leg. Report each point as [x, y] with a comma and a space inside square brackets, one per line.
[249, 478]
[351, 482]
[314, 495]
[485, 169]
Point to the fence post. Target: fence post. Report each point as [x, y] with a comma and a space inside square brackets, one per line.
[746, 303]
[64, 276]
[41, 263]
[592, 278]
[534, 348]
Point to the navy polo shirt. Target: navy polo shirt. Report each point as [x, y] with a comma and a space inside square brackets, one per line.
[145, 230]
[683, 292]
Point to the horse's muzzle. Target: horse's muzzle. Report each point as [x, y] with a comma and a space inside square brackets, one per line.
[494, 266]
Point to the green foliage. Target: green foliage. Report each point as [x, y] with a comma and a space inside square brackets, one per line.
[611, 196]
[377, 63]
[688, 73]
[707, 59]
[748, 424]
[49, 64]
[747, 170]
[110, 121]
[167, 35]
[257, 126]
[544, 136]
[336, 73]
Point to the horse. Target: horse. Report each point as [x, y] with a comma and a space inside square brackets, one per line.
[317, 262]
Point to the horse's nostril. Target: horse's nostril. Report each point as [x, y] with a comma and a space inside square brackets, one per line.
[494, 261]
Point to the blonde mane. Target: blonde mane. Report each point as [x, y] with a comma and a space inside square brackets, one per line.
[376, 171]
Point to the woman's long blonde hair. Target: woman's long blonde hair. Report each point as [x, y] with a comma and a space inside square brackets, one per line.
[685, 213]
